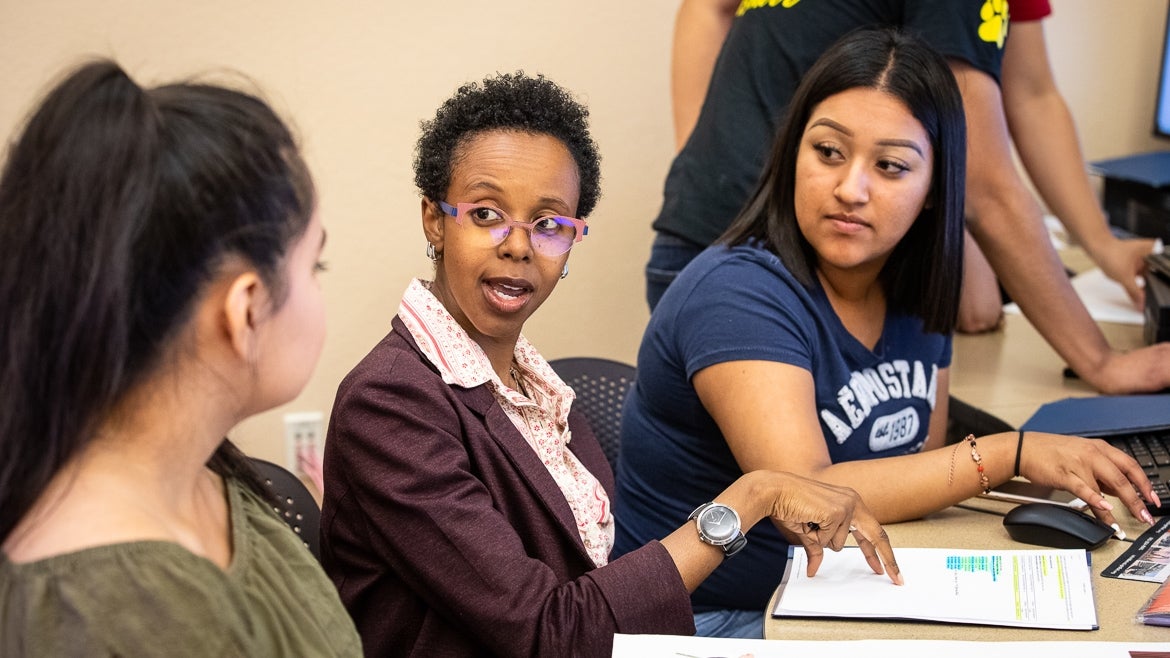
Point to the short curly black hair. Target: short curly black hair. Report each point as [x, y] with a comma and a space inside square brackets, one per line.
[506, 101]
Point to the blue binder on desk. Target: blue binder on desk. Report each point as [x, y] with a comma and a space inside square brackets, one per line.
[1152, 169]
[1102, 416]
[1136, 424]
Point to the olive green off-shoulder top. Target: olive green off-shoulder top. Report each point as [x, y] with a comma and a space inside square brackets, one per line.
[155, 598]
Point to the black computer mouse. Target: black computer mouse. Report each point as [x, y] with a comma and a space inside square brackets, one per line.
[1056, 526]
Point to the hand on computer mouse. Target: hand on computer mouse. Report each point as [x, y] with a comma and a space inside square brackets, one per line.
[1086, 468]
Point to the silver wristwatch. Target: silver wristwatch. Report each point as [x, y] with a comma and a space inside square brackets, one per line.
[718, 525]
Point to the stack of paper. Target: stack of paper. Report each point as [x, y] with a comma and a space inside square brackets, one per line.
[1028, 588]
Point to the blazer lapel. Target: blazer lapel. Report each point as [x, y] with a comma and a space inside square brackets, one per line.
[481, 401]
[523, 457]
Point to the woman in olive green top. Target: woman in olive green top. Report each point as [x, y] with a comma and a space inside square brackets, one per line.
[158, 259]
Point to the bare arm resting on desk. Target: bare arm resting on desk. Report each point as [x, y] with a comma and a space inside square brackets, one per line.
[980, 303]
[767, 430]
[1007, 223]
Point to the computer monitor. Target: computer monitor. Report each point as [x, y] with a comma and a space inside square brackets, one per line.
[1162, 110]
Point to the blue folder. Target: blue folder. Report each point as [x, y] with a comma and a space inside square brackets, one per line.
[1151, 169]
[1106, 415]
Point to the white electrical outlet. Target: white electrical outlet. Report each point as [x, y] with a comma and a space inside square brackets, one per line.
[303, 430]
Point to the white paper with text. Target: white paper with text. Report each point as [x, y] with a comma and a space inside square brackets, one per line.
[1027, 588]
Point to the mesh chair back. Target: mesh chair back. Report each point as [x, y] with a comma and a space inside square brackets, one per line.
[601, 386]
[964, 419]
[297, 506]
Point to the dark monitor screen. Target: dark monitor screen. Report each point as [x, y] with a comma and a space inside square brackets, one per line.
[1162, 111]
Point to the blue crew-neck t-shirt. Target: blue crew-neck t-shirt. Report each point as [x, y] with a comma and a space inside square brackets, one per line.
[741, 303]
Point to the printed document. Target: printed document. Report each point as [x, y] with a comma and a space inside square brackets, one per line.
[1030, 588]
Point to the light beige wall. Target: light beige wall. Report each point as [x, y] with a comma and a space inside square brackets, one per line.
[1105, 56]
[357, 77]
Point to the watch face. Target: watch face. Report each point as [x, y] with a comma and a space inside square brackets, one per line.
[720, 523]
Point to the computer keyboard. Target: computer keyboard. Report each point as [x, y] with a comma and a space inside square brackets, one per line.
[1152, 451]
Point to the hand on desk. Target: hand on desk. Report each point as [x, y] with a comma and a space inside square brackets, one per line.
[1144, 370]
[819, 515]
[1087, 468]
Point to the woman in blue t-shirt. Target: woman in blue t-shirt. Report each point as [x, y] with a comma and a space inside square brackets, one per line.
[815, 337]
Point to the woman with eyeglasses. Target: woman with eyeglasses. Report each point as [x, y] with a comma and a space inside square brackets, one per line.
[467, 508]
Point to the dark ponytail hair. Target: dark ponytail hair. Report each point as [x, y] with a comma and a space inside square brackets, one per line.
[923, 274]
[117, 206]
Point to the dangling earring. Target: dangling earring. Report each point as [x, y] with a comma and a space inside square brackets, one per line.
[565, 272]
[432, 254]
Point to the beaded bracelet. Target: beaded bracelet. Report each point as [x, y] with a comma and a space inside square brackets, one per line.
[975, 457]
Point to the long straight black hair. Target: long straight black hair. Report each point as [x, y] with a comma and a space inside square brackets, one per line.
[923, 274]
[117, 206]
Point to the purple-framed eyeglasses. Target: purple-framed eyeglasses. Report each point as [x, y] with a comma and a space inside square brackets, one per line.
[551, 235]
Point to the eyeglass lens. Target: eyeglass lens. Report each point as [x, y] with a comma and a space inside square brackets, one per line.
[552, 235]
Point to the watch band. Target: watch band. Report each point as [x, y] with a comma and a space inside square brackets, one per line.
[734, 546]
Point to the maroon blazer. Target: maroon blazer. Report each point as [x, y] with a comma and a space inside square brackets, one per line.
[447, 536]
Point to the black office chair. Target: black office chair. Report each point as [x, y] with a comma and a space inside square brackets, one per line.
[964, 419]
[297, 506]
[601, 386]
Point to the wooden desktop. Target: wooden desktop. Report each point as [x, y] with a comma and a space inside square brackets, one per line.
[1008, 373]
